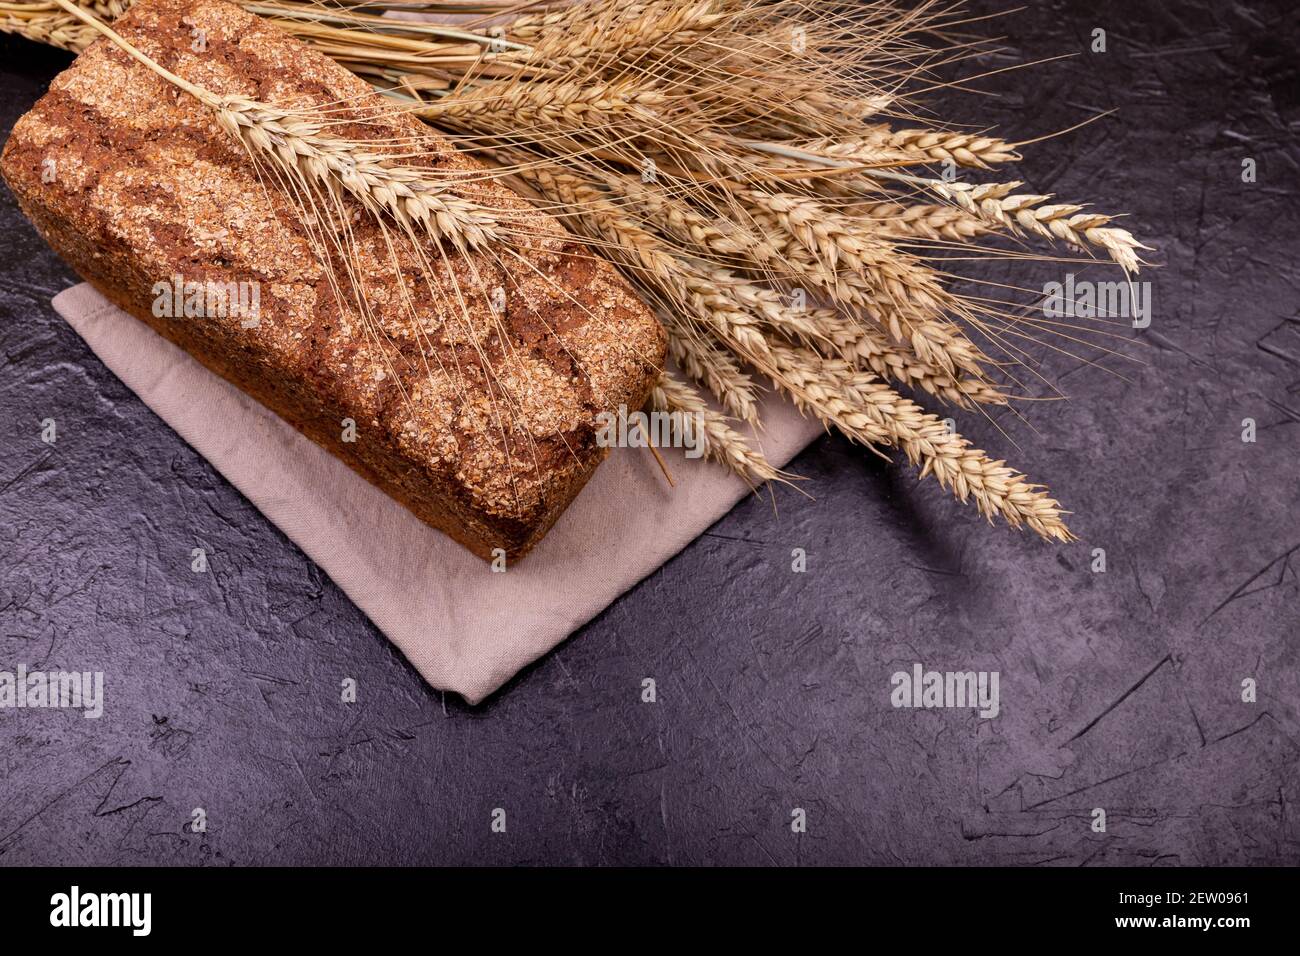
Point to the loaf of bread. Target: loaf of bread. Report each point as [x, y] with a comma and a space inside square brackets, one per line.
[479, 414]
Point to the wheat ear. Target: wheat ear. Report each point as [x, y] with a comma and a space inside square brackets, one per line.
[714, 368]
[919, 146]
[298, 146]
[862, 344]
[876, 277]
[855, 341]
[516, 106]
[870, 411]
[402, 192]
[998, 205]
[52, 28]
[935, 221]
[722, 443]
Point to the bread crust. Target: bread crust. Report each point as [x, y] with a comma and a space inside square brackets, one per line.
[480, 421]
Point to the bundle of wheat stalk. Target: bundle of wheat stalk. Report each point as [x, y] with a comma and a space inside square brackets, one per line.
[756, 169]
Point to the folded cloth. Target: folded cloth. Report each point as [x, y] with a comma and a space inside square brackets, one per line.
[464, 627]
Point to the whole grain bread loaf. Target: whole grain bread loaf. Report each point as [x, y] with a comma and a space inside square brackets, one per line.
[472, 398]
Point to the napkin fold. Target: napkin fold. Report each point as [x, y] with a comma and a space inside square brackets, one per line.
[464, 627]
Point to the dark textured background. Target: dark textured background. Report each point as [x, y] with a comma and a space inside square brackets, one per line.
[1119, 690]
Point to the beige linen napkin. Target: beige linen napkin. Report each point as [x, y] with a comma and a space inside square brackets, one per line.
[464, 627]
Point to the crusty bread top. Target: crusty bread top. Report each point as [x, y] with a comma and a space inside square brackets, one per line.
[500, 407]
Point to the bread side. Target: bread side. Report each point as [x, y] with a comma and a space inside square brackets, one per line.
[481, 420]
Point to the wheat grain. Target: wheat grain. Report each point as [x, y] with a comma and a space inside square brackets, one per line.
[530, 27]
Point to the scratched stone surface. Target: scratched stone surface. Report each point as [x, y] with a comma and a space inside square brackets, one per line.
[1119, 690]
